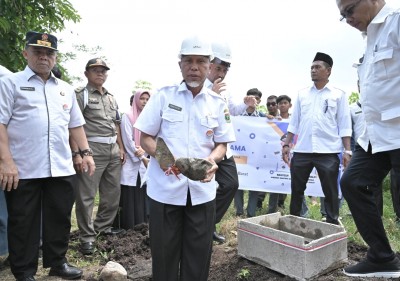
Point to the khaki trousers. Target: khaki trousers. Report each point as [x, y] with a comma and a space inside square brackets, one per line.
[107, 181]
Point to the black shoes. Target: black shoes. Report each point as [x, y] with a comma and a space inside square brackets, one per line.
[66, 271]
[29, 278]
[218, 238]
[87, 248]
[366, 268]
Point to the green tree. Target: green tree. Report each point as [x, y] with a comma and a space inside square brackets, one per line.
[19, 16]
[353, 97]
[141, 84]
[71, 56]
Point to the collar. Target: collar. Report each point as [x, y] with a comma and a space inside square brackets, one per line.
[92, 90]
[327, 86]
[29, 74]
[382, 15]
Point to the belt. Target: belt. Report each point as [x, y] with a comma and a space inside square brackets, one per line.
[108, 140]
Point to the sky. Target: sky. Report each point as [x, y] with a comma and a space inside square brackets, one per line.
[273, 43]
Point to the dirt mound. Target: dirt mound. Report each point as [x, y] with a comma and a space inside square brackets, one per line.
[132, 251]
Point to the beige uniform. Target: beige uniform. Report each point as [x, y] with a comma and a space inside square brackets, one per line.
[102, 118]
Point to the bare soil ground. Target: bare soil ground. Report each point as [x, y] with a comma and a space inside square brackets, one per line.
[132, 251]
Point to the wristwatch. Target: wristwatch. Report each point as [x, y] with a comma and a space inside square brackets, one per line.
[348, 152]
[75, 153]
[87, 152]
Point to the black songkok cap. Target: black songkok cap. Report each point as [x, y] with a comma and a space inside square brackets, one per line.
[323, 57]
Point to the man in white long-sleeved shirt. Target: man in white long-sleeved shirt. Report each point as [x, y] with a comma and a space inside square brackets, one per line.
[226, 175]
[321, 119]
[378, 148]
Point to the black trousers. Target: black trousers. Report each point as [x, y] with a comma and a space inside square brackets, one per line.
[228, 184]
[133, 205]
[359, 183]
[181, 240]
[276, 200]
[54, 198]
[327, 166]
[395, 192]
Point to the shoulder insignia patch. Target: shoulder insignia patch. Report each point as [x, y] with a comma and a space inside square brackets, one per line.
[227, 115]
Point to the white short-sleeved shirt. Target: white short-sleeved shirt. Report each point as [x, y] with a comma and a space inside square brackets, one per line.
[4, 71]
[380, 82]
[129, 171]
[38, 116]
[236, 108]
[357, 120]
[320, 119]
[190, 127]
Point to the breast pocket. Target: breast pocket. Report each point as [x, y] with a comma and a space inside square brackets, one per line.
[330, 111]
[331, 107]
[112, 113]
[208, 126]
[93, 110]
[306, 108]
[172, 122]
[386, 64]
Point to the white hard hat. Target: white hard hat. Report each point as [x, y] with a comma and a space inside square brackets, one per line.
[222, 51]
[195, 45]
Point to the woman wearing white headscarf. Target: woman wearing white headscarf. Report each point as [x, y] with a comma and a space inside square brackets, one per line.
[133, 196]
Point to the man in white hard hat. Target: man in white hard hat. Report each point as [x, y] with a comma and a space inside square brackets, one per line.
[226, 175]
[194, 122]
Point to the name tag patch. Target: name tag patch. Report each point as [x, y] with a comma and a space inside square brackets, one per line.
[27, 88]
[175, 107]
[93, 101]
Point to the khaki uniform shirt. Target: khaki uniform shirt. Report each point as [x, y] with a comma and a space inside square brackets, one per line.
[100, 113]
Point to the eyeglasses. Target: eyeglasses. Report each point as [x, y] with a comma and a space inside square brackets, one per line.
[271, 103]
[349, 11]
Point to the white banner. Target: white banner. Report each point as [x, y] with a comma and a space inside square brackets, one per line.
[258, 156]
